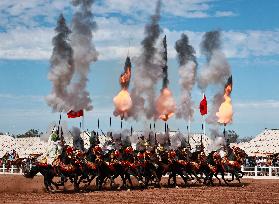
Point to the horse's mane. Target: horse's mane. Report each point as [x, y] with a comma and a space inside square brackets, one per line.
[210, 159]
[194, 156]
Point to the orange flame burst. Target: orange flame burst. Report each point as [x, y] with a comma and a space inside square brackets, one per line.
[125, 78]
[226, 111]
[165, 105]
[122, 101]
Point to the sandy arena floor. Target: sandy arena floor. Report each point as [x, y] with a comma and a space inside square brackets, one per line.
[17, 189]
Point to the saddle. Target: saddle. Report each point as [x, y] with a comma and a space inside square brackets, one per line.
[232, 163]
[195, 165]
[212, 168]
[111, 166]
[69, 168]
[41, 164]
[91, 165]
[182, 162]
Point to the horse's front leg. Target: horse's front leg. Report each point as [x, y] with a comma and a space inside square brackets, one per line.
[76, 184]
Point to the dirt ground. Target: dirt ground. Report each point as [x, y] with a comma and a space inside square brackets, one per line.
[17, 189]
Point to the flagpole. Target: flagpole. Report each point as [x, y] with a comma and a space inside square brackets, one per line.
[203, 124]
[189, 124]
[189, 130]
[83, 121]
[61, 136]
[202, 130]
[203, 121]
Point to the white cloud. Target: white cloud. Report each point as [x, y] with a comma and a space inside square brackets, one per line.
[22, 43]
[26, 39]
[30, 13]
[34, 13]
[113, 37]
[251, 43]
[142, 9]
[225, 14]
[266, 104]
[34, 98]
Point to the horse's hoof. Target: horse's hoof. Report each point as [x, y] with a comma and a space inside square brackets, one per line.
[51, 191]
[128, 189]
[177, 187]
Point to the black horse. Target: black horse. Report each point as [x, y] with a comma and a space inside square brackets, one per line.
[47, 171]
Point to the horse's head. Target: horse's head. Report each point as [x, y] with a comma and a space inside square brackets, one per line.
[26, 166]
[202, 157]
[99, 159]
[5, 157]
[217, 157]
[239, 154]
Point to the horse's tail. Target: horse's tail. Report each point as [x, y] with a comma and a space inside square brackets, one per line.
[33, 172]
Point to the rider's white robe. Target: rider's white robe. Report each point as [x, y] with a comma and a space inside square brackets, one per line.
[54, 149]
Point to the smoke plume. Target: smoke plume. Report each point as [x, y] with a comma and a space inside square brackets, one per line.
[148, 70]
[176, 140]
[187, 72]
[218, 140]
[163, 138]
[84, 53]
[63, 128]
[122, 138]
[215, 72]
[78, 142]
[61, 68]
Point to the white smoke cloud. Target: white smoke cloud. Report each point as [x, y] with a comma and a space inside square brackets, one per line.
[147, 71]
[84, 53]
[215, 72]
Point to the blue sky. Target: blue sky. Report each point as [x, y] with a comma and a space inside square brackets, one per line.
[250, 33]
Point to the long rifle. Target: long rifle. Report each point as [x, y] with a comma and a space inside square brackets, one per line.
[60, 131]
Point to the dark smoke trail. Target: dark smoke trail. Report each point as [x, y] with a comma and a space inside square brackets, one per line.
[152, 32]
[187, 72]
[84, 52]
[165, 63]
[185, 52]
[211, 42]
[147, 71]
[217, 69]
[215, 72]
[61, 68]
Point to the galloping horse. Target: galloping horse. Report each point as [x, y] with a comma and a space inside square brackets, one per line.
[46, 170]
[12, 161]
[232, 163]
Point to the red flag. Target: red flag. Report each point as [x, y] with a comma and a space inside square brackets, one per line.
[75, 114]
[203, 106]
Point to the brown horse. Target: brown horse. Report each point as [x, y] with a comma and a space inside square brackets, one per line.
[16, 161]
[232, 163]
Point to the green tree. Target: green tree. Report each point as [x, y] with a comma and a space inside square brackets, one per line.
[231, 136]
[30, 133]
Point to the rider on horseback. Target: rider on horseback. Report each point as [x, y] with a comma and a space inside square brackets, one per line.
[54, 146]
